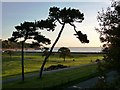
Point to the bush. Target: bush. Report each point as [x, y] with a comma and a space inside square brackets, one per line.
[54, 67]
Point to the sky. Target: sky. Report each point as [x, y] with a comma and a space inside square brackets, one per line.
[14, 13]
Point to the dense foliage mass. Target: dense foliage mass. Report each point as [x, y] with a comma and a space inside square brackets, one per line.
[64, 52]
[109, 30]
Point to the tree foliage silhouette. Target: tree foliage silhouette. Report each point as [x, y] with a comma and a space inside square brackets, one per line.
[64, 52]
[24, 31]
[109, 30]
[62, 16]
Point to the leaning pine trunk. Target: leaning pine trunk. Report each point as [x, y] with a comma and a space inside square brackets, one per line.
[46, 58]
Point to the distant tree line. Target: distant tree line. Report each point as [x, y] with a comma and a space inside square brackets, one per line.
[6, 44]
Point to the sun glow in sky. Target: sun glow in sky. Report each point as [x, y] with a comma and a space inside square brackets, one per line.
[14, 13]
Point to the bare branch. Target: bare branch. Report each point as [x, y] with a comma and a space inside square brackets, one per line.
[73, 26]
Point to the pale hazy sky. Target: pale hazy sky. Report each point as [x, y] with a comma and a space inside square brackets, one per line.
[14, 13]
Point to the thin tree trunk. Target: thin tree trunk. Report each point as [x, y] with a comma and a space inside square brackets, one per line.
[22, 62]
[46, 58]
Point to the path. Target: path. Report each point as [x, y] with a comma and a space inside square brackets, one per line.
[91, 82]
[44, 72]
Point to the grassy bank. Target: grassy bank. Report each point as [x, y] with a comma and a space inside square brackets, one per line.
[11, 66]
[55, 79]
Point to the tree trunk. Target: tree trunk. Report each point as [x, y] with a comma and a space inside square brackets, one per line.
[22, 62]
[64, 59]
[46, 58]
[10, 56]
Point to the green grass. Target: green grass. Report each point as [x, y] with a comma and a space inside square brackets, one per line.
[56, 79]
[11, 66]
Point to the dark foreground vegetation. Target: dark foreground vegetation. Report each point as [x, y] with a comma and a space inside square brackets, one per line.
[109, 21]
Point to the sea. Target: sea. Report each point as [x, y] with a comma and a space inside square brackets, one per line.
[74, 49]
[81, 49]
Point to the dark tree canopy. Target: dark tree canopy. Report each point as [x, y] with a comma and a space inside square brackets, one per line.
[66, 15]
[46, 24]
[82, 37]
[109, 30]
[28, 30]
[64, 52]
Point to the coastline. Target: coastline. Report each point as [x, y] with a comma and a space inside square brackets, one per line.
[72, 49]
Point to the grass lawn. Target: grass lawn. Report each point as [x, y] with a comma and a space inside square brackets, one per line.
[56, 79]
[11, 66]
